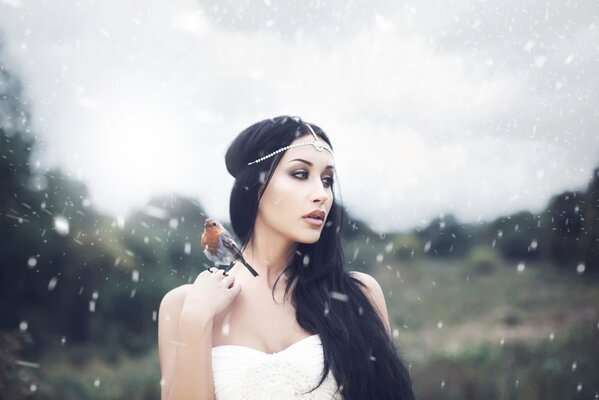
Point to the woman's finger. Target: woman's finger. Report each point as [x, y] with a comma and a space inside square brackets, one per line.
[228, 281]
[218, 273]
[197, 279]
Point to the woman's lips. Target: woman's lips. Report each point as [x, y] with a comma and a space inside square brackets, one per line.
[313, 221]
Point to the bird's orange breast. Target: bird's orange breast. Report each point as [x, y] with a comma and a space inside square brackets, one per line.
[209, 241]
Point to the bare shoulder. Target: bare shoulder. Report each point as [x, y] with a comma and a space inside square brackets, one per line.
[170, 308]
[370, 282]
[175, 296]
[374, 293]
[168, 313]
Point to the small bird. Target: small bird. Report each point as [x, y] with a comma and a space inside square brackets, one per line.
[220, 247]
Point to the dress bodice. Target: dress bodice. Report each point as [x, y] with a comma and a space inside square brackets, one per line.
[242, 372]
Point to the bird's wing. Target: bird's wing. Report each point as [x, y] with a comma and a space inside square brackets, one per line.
[229, 242]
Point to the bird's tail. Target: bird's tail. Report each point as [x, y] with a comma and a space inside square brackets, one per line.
[248, 266]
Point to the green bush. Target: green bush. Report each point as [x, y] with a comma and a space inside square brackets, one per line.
[407, 246]
[136, 378]
[482, 260]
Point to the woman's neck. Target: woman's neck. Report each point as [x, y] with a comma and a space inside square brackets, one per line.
[269, 253]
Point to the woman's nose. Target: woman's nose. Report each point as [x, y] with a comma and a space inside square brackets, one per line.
[320, 192]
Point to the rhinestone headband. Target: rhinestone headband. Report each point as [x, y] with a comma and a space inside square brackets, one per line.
[316, 143]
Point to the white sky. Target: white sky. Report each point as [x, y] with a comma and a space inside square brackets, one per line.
[471, 107]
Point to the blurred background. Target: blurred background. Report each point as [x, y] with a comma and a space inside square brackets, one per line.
[467, 153]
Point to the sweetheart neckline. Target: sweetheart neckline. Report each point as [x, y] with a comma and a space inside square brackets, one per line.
[263, 352]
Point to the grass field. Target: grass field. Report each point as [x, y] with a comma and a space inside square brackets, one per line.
[497, 331]
[468, 329]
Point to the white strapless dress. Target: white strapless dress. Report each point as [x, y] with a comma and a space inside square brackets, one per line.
[244, 373]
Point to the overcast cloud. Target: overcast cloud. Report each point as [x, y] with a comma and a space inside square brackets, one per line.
[480, 108]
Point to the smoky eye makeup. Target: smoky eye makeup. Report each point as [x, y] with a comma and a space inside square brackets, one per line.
[302, 174]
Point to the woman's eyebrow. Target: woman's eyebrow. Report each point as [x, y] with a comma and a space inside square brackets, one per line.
[310, 164]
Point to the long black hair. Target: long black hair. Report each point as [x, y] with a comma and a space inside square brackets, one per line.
[364, 358]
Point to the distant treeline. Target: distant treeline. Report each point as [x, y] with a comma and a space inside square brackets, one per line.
[566, 233]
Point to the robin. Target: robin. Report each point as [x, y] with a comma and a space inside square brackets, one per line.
[219, 247]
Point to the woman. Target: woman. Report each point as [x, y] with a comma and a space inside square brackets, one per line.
[323, 333]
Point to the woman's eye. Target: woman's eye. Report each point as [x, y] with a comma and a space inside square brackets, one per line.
[329, 179]
[300, 173]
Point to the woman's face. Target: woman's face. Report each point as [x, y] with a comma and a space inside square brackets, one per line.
[298, 188]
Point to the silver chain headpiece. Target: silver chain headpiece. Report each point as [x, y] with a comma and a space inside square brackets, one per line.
[316, 143]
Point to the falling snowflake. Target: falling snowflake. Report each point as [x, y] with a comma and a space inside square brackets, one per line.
[427, 246]
[61, 225]
[52, 283]
[306, 260]
[156, 212]
[32, 262]
[339, 296]
[389, 247]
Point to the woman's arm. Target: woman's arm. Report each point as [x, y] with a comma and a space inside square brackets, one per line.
[185, 351]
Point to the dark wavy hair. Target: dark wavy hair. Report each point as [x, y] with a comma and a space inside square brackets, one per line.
[364, 358]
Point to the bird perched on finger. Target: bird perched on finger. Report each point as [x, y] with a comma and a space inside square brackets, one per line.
[220, 247]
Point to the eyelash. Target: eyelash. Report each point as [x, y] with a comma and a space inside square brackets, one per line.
[330, 178]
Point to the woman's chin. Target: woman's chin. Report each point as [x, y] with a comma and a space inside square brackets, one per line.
[309, 239]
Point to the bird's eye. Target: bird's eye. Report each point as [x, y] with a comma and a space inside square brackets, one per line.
[214, 224]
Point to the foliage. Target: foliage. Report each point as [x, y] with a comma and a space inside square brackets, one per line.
[543, 369]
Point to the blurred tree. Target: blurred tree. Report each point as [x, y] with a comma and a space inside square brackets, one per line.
[445, 236]
[16, 382]
[591, 224]
[563, 224]
[517, 236]
[17, 211]
[70, 275]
